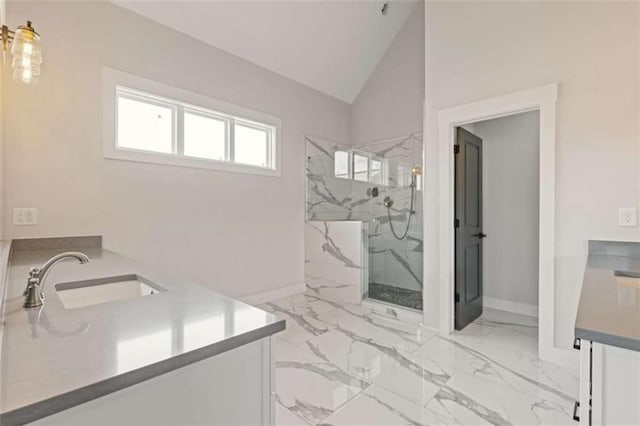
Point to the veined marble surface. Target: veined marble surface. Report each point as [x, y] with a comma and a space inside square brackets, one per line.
[346, 365]
[335, 259]
[329, 198]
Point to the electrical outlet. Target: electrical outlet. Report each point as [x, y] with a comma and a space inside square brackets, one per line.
[25, 216]
[628, 216]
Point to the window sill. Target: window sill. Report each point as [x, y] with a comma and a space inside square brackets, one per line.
[183, 161]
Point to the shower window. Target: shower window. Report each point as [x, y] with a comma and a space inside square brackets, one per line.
[360, 168]
[376, 172]
[341, 167]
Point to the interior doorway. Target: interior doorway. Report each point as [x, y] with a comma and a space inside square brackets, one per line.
[496, 217]
[541, 98]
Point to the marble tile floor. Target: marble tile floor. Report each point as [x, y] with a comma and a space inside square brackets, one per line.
[341, 364]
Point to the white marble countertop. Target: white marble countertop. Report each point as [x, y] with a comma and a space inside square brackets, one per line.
[54, 358]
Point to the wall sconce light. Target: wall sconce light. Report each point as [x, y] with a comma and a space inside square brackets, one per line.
[26, 52]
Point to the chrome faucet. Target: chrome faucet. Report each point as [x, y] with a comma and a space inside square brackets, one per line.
[33, 294]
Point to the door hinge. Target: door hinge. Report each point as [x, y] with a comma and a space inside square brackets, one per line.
[576, 409]
[456, 149]
[457, 297]
[456, 223]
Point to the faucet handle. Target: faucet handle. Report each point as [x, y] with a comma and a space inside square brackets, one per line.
[34, 272]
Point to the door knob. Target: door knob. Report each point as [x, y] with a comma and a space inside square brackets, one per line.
[480, 235]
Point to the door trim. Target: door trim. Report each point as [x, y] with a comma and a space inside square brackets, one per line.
[543, 99]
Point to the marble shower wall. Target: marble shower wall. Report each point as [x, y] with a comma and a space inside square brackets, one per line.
[391, 261]
[336, 259]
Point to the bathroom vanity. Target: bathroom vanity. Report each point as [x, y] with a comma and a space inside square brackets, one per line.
[607, 332]
[117, 342]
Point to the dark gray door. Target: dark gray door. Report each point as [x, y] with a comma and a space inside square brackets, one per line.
[468, 222]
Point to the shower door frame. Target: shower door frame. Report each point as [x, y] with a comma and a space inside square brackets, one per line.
[543, 99]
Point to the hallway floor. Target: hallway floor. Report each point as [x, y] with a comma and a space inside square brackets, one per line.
[340, 364]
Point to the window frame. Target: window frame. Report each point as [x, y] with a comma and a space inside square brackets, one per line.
[117, 82]
[384, 166]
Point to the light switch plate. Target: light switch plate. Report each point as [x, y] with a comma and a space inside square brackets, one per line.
[25, 216]
[628, 216]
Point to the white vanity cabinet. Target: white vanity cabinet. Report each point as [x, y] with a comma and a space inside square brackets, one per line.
[609, 385]
[231, 388]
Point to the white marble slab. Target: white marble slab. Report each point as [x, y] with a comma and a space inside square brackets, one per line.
[334, 282]
[336, 243]
[377, 406]
[309, 387]
[335, 260]
[301, 315]
[487, 374]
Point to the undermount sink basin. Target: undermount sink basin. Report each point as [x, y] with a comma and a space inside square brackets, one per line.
[627, 279]
[102, 290]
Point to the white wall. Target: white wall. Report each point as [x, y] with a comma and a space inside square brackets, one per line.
[510, 204]
[391, 102]
[237, 233]
[478, 50]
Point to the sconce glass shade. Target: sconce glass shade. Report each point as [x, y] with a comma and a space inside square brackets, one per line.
[27, 55]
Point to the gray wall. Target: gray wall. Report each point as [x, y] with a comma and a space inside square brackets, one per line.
[237, 233]
[510, 181]
[391, 102]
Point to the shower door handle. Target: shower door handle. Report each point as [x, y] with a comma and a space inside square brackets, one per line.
[480, 235]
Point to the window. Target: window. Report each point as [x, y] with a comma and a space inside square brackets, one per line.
[151, 122]
[341, 164]
[144, 124]
[376, 172]
[252, 144]
[360, 166]
[205, 136]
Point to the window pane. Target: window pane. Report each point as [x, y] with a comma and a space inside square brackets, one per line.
[144, 126]
[376, 172]
[251, 146]
[204, 137]
[341, 164]
[360, 167]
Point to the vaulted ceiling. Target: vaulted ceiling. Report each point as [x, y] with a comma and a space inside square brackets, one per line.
[330, 46]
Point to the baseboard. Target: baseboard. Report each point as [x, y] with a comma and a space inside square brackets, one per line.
[508, 306]
[269, 295]
[568, 358]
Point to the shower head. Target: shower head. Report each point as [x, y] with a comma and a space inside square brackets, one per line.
[388, 202]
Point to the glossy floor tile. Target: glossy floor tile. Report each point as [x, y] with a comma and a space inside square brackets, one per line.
[377, 406]
[301, 313]
[342, 364]
[310, 387]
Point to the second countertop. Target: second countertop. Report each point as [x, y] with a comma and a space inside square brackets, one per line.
[609, 312]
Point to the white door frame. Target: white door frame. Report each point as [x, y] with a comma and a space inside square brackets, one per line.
[543, 99]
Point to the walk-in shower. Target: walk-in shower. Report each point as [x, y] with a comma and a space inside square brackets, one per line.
[379, 185]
